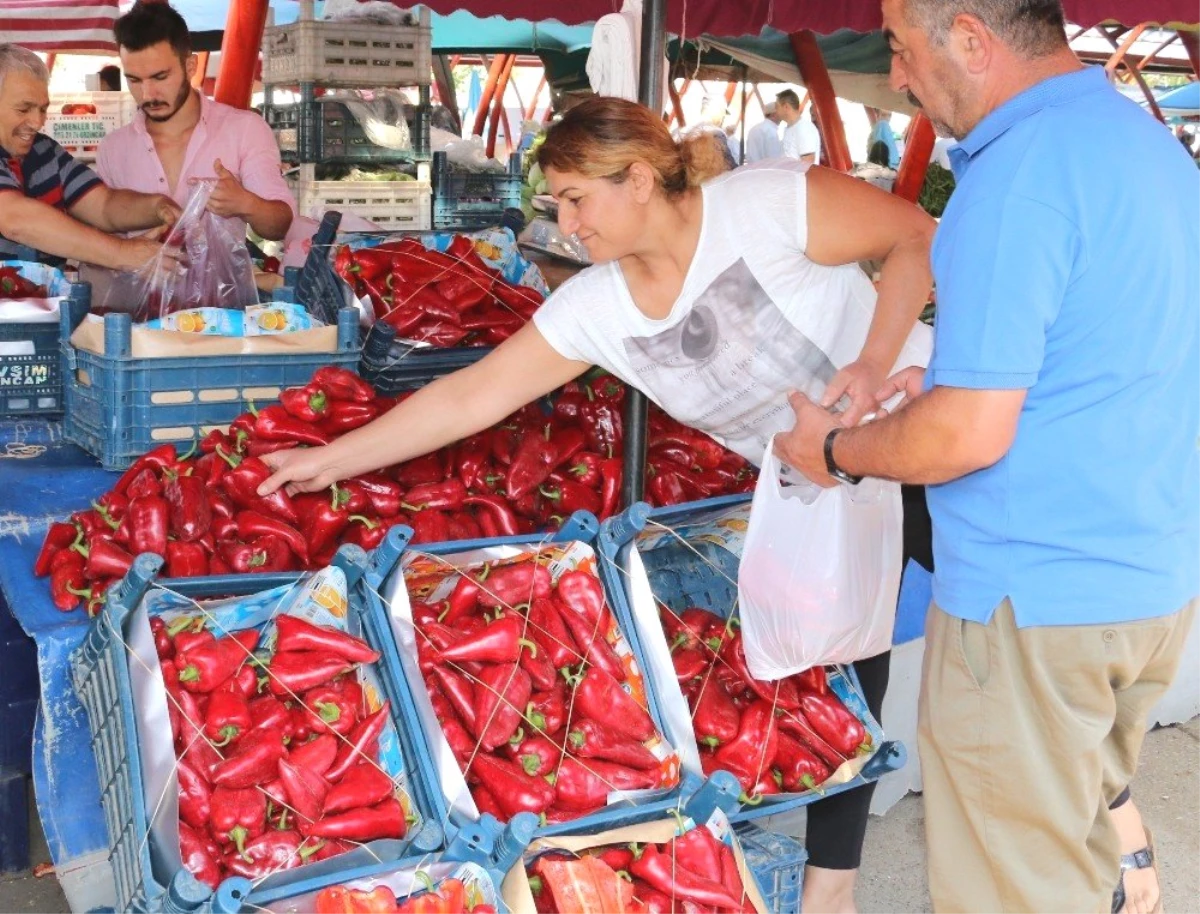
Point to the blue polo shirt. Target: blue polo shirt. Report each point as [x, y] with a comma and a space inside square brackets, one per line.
[1067, 265]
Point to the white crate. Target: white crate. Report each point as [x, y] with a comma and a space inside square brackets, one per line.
[391, 205]
[80, 134]
[356, 55]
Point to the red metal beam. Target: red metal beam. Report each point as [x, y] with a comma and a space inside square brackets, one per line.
[676, 102]
[201, 70]
[498, 106]
[244, 25]
[443, 79]
[1118, 59]
[537, 93]
[489, 89]
[917, 150]
[1191, 43]
[820, 89]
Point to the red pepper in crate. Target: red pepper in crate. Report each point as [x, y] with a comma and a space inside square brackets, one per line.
[67, 580]
[60, 536]
[383, 494]
[461, 743]
[420, 471]
[510, 787]
[328, 518]
[439, 334]
[549, 632]
[195, 797]
[241, 485]
[206, 667]
[603, 425]
[295, 672]
[834, 723]
[458, 692]
[363, 742]
[227, 716]
[308, 403]
[446, 495]
[590, 637]
[297, 634]
[197, 858]
[264, 553]
[533, 461]
[268, 712]
[191, 513]
[748, 755]
[106, 560]
[536, 755]
[274, 423]
[463, 598]
[584, 786]
[346, 415]
[547, 711]
[498, 642]
[716, 718]
[512, 585]
[186, 560]
[366, 784]
[812, 680]
[305, 790]
[342, 384]
[161, 458]
[329, 709]
[799, 768]
[591, 739]
[251, 525]
[501, 692]
[661, 872]
[496, 511]
[238, 815]
[781, 692]
[270, 853]
[385, 820]
[316, 755]
[536, 662]
[565, 497]
[600, 697]
[255, 762]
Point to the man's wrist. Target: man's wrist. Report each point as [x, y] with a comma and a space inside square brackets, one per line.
[832, 466]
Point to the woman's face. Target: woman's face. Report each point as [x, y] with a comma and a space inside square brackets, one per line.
[606, 216]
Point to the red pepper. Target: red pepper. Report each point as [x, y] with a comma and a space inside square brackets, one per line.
[344, 416]
[384, 494]
[270, 853]
[458, 692]
[206, 667]
[501, 693]
[252, 524]
[238, 815]
[385, 820]
[534, 460]
[267, 712]
[510, 787]
[583, 593]
[462, 600]
[420, 471]
[67, 580]
[593, 740]
[297, 634]
[241, 485]
[160, 458]
[499, 642]
[191, 513]
[497, 509]
[812, 680]
[305, 790]
[600, 697]
[264, 553]
[274, 423]
[106, 560]
[550, 633]
[186, 560]
[660, 871]
[748, 755]
[197, 858]
[342, 384]
[512, 585]
[610, 486]
[329, 709]
[60, 536]
[148, 519]
[536, 755]
[799, 767]
[536, 662]
[547, 711]
[366, 784]
[256, 760]
[195, 798]
[834, 723]
[316, 755]
[327, 520]
[603, 425]
[698, 852]
[308, 403]
[565, 497]
[363, 743]
[715, 719]
[590, 637]
[582, 787]
[447, 495]
[295, 672]
[781, 692]
[227, 716]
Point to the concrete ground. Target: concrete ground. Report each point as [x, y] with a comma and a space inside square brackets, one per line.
[1167, 790]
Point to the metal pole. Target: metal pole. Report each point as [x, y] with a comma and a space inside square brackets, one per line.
[650, 85]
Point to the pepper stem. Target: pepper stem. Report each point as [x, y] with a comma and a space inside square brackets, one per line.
[234, 461]
[528, 645]
[227, 734]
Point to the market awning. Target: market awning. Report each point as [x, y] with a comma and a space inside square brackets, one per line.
[59, 25]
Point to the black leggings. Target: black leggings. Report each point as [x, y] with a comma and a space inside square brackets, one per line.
[838, 824]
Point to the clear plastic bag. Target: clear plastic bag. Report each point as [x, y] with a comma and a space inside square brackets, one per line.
[216, 271]
[819, 575]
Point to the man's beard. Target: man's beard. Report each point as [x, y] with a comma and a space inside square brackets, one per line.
[939, 127]
[180, 100]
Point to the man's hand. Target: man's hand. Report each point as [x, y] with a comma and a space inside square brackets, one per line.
[804, 446]
[859, 381]
[228, 197]
[908, 381]
[167, 210]
[141, 251]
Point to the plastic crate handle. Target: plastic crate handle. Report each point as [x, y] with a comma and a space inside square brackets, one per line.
[621, 528]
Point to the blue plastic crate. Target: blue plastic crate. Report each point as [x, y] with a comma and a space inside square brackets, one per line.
[583, 527]
[705, 574]
[31, 384]
[471, 200]
[777, 863]
[327, 132]
[100, 672]
[119, 407]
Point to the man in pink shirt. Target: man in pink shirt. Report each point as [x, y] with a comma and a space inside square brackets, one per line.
[178, 136]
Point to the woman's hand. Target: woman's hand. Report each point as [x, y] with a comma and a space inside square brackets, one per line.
[307, 469]
[860, 381]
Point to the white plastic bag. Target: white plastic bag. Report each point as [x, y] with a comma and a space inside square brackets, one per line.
[820, 573]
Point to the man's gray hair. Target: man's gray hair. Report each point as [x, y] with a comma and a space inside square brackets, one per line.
[15, 58]
[1032, 28]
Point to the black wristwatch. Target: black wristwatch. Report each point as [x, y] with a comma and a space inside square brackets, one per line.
[831, 466]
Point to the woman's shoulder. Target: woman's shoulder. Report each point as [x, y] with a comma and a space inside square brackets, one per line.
[769, 173]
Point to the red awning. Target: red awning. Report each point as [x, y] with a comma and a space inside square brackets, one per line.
[59, 25]
[747, 17]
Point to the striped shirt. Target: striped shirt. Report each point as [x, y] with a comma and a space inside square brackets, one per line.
[48, 173]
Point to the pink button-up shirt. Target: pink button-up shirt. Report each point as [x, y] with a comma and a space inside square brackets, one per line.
[241, 139]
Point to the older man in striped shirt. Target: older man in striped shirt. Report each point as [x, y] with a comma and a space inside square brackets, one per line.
[53, 204]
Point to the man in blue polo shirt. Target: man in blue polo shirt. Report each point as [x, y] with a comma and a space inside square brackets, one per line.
[1056, 429]
[49, 201]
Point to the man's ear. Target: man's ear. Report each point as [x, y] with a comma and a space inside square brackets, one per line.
[972, 42]
[189, 68]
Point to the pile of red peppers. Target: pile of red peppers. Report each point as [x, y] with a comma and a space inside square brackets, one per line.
[692, 873]
[201, 513]
[277, 758]
[450, 896]
[785, 736]
[14, 285]
[443, 299]
[529, 692]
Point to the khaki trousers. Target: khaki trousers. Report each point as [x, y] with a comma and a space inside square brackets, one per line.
[1025, 737]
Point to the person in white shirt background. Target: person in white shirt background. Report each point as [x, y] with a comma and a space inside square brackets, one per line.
[762, 140]
[800, 137]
